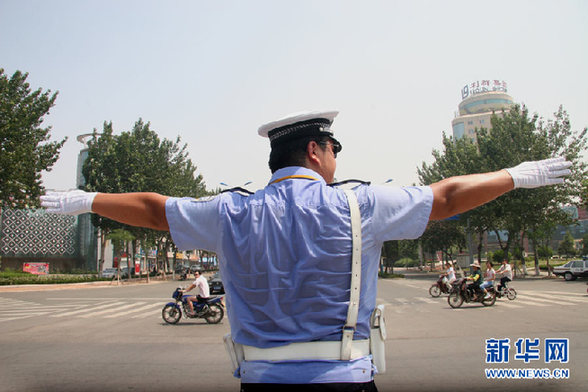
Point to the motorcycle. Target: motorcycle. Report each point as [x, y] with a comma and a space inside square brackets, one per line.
[462, 292]
[212, 310]
[183, 274]
[439, 287]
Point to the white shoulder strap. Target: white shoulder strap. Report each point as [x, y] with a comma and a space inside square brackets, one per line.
[350, 324]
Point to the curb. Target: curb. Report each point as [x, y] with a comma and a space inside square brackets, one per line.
[69, 286]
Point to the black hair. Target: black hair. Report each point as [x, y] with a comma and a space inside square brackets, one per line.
[292, 153]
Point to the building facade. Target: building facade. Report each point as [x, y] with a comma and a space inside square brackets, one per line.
[480, 100]
[61, 242]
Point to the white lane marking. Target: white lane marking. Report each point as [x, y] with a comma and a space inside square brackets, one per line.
[508, 305]
[139, 309]
[16, 318]
[548, 301]
[528, 302]
[86, 310]
[562, 298]
[148, 314]
[427, 300]
[403, 301]
[111, 310]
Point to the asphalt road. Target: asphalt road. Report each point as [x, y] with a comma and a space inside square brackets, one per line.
[113, 339]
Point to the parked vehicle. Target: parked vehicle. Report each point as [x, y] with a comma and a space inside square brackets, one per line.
[180, 267]
[572, 269]
[439, 287]
[463, 292]
[212, 310]
[215, 284]
[109, 272]
[124, 273]
[183, 274]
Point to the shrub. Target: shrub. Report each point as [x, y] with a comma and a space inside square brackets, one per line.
[497, 256]
[385, 275]
[406, 262]
[10, 277]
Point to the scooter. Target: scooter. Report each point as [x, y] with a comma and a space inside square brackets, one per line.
[439, 287]
[184, 274]
[211, 310]
[462, 292]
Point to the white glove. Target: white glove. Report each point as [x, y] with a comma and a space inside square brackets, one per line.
[68, 202]
[540, 173]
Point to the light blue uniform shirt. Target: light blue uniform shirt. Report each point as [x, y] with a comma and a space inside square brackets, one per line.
[285, 260]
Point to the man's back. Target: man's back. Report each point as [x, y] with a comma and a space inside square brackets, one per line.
[285, 252]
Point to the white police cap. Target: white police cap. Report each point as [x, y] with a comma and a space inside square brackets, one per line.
[300, 124]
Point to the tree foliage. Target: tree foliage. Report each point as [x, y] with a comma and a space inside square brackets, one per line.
[567, 246]
[24, 148]
[584, 250]
[515, 137]
[445, 236]
[138, 161]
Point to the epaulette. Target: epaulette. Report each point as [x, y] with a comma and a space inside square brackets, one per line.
[238, 189]
[349, 181]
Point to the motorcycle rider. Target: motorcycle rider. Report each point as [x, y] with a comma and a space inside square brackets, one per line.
[476, 279]
[506, 271]
[202, 294]
[489, 277]
[449, 275]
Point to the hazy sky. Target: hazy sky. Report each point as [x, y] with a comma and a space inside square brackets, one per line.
[213, 71]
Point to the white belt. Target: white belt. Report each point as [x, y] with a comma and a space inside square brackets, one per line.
[305, 351]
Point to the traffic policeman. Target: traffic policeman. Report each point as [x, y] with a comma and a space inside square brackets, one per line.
[299, 317]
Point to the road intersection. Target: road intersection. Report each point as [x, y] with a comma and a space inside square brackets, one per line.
[113, 338]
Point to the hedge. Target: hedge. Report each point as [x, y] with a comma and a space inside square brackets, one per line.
[10, 277]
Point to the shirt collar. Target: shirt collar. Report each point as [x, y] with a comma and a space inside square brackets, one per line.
[295, 171]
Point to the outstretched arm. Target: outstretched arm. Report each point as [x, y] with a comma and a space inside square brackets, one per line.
[459, 194]
[135, 209]
[462, 193]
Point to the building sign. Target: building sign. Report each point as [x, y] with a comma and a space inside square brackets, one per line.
[483, 86]
[36, 268]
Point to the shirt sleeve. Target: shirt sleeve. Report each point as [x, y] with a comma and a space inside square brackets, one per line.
[193, 223]
[401, 213]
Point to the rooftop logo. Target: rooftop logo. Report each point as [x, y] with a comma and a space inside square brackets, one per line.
[482, 86]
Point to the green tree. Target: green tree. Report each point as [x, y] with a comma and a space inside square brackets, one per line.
[585, 193]
[445, 236]
[408, 249]
[389, 256]
[585, 245]
[545, 252]
[120, 241]
[138, 161]
[540, 237]
[24, 148]
[101, 173]
[515, 137]
[461, 157]
[567, 245]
